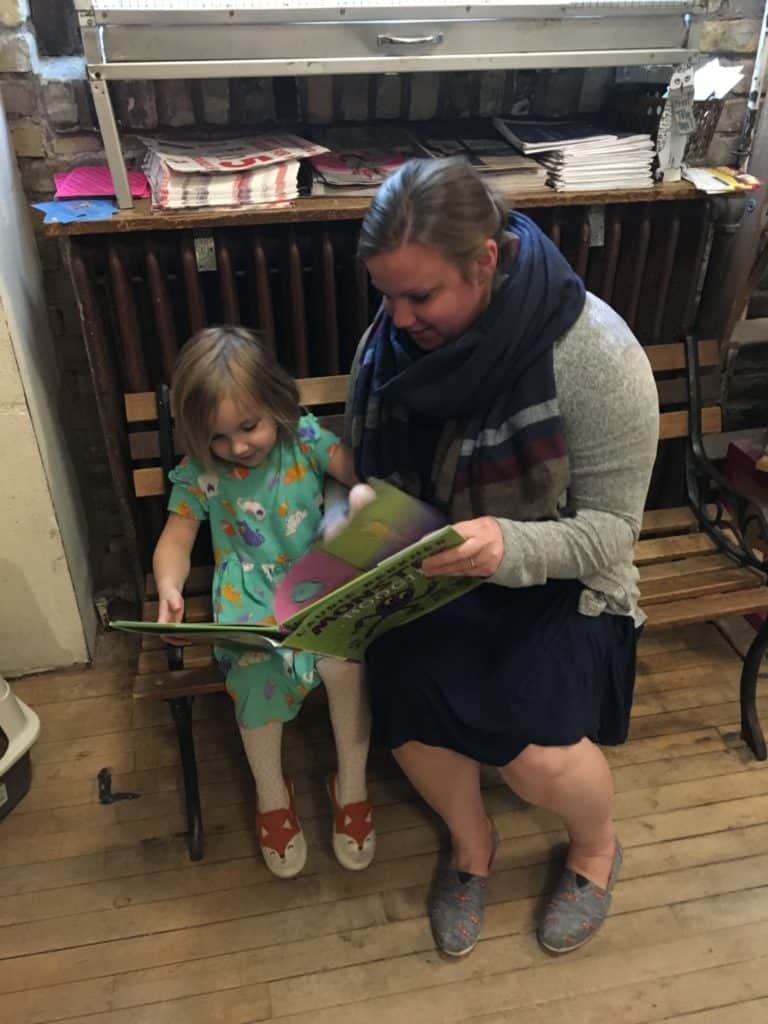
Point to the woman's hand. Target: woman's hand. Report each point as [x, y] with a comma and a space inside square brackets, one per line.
[479, 555]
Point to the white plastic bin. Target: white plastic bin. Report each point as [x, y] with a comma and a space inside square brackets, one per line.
[19, 728]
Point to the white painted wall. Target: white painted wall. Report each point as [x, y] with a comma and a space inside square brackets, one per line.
[47, 619]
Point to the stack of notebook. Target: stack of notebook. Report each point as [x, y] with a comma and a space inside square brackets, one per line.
[581, 157]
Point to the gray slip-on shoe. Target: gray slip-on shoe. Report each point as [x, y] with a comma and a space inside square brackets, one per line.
[456, 907]
[577, 909]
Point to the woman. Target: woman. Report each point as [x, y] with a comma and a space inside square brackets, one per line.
[492, 386]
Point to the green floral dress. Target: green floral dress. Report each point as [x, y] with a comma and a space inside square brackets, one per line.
[262, 520]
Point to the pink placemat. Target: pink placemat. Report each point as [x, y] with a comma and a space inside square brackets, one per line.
[96, 181]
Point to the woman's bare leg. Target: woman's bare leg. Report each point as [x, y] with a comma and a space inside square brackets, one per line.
[576, 783]
[450, 784]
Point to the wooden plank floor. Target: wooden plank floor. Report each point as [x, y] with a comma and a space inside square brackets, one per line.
[104, 920]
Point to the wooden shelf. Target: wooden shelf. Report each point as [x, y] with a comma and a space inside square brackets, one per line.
[322, 208]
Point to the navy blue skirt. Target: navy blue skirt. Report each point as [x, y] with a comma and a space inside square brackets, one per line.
[500, 668]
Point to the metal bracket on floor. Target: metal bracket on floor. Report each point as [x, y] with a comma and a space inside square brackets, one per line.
[106, 796]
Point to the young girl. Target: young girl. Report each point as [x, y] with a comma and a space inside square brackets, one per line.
[255, 470]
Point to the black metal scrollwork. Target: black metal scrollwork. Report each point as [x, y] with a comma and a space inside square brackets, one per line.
[734, 521]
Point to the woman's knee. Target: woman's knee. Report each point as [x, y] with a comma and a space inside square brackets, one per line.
[539, 764]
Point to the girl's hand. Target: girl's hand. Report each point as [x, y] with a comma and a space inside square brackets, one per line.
[479, 555]
[338, 517]
[171, 609]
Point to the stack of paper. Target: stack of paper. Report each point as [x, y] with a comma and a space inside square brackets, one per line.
[359, 158]
[507, 170]
[583, 157]
[353, 172]
[259, 171]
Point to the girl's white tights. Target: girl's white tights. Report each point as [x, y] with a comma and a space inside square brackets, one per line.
[262, 748]
[351, 723]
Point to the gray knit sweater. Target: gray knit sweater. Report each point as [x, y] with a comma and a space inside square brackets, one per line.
[609, 405]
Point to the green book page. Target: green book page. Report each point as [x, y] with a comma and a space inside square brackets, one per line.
[206, 632]
[343, 623]
[392, 522]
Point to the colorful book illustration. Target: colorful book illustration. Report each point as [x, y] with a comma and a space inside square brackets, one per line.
[349, 590]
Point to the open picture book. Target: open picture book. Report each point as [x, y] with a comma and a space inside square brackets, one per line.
[346, 591]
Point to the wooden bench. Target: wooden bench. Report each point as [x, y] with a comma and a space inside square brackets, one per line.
[696, 563]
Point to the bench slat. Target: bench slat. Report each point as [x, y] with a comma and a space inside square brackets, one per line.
[153, 662]
[705, 609]
[683, 567]
[674, 392]
[201, 675]
[665, 520]
[184, 683]
[676, 424]
[141, 406]
[668, 520]
[145, 444]
[672, 357]
[697, 584]
[148, 482]
[665, 549]
[671, 551]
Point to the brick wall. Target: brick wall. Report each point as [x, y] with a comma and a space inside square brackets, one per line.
[53, 126]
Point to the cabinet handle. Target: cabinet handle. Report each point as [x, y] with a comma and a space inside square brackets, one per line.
[410, 40]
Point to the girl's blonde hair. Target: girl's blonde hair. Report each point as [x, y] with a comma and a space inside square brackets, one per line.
[227, 362]
[445, 204]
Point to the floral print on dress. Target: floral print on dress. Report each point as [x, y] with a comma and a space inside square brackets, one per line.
[262, 519]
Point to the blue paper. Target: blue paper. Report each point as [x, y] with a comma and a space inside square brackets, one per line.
[63, 211]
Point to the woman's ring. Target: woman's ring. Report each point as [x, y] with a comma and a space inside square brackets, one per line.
[471, 563]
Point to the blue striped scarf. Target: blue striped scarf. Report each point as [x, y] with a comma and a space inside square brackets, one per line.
[499, 448]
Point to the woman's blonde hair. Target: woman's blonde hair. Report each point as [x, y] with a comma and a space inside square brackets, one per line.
[445, 204]
[227, 362]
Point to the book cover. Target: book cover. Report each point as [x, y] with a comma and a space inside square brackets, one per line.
[389, 524]
[533, 136]
[346, 591]
[205, 632]
[394, 592]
